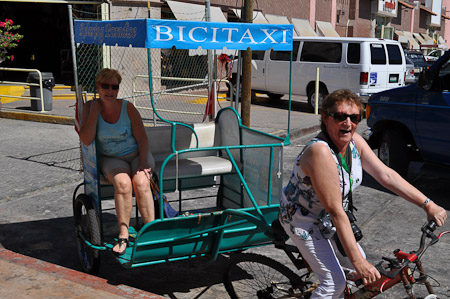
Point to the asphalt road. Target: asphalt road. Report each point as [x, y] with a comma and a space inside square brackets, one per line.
[40, 170]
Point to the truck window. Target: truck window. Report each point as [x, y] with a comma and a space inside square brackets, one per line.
[285, 55]
[353, 53]
[377, 54]
[321, 52]
[395, 56]
[258, 55]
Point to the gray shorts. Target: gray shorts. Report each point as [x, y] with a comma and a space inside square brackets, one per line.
[128, 163]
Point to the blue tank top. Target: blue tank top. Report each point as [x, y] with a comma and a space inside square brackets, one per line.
[116, 139]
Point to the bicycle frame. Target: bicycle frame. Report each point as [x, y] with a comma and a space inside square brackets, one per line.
[385, 283]
[395, 271]
[399, 270]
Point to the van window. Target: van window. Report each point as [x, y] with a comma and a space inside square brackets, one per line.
[395, 56]
[258, 55]
[377, 54]
[321, 52]
[353, 53]
[285, 55]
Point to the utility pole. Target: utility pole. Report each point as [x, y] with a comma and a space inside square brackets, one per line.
[246, 70]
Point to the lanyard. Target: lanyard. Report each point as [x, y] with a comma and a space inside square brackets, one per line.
[344, 164]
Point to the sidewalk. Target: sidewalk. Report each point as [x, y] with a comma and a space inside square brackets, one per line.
[38, 279]
[266, 117]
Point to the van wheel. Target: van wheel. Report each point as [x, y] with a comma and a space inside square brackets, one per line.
[393, 151]
[274, 96]
[233, 81]
[311, 97]
[230, 90]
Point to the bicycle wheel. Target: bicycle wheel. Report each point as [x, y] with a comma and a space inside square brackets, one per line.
[87, 224]
[255, 276]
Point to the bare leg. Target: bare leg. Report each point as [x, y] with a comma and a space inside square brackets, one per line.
[124, 203]
[144, 197]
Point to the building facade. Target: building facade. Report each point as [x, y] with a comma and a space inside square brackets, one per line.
[422, 24]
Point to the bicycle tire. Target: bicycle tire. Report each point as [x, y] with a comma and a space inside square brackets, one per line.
[251, 275]
[87, 223]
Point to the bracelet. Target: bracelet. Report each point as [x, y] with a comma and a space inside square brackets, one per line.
[425, 203]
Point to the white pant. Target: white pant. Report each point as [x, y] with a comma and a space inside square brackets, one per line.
[326, 262]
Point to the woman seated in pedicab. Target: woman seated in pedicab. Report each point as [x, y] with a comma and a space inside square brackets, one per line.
[123, 151]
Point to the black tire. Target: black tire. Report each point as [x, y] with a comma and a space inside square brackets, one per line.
[87, 224]
[312, 94]
[274, 96]
[255, 276]
[233, 88]
[393, 151]
[233, 81]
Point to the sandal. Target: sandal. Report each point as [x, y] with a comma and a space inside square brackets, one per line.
[121, 242]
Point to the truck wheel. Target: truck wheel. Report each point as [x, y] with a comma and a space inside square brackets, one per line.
[312, 95]
[393, 151]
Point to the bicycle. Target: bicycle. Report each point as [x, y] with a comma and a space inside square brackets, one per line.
[256, 276]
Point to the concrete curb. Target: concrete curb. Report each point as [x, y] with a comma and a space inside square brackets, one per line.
[45, 118]
[60, 277]
[295, 133]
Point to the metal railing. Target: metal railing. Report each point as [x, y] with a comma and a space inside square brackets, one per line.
[175, 91]
[41, 98]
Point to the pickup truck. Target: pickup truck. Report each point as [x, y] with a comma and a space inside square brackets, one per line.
[412, 123]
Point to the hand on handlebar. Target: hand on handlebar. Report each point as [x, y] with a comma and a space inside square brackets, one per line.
[368, 272]
[436, 213]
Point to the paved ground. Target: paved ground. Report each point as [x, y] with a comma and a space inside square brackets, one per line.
[39, 172]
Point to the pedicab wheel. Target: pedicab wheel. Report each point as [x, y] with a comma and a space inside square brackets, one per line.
[255, 276]
[88, 225]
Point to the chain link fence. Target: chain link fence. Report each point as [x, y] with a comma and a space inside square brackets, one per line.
[179, 77]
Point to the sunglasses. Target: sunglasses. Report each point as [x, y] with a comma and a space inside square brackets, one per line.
[340, 117]
[107, 86]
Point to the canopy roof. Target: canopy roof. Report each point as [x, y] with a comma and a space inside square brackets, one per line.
[164, 34]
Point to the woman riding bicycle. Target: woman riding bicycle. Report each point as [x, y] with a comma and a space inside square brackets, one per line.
[315, 203]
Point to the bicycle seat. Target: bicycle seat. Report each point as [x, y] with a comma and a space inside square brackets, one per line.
[280, 235]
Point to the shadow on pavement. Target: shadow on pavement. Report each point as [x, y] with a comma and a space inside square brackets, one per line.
[53, 241]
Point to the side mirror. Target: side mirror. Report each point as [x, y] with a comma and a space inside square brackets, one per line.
[424, 80]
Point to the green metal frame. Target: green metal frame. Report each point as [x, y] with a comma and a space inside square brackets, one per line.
[205, 234]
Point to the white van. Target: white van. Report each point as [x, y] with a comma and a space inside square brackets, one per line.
[363, 65]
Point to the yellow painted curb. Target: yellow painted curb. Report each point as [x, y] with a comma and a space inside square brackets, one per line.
[52, 119]
[12, 91]
[203, 100]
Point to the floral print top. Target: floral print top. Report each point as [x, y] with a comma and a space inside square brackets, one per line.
[300, 206]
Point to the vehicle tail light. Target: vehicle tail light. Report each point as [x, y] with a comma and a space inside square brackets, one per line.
[367, 111]
[411, 72]
[363, 78]
[404, 79]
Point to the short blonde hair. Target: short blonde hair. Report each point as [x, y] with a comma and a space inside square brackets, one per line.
[107, 74]
[335, 98]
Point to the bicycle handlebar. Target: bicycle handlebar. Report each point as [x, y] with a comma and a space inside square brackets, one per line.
[427, 232]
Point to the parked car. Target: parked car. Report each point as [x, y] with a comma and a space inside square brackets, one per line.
[419, 61]
[363, 65]
[411, 123]
[434, 55]
[409, 77]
